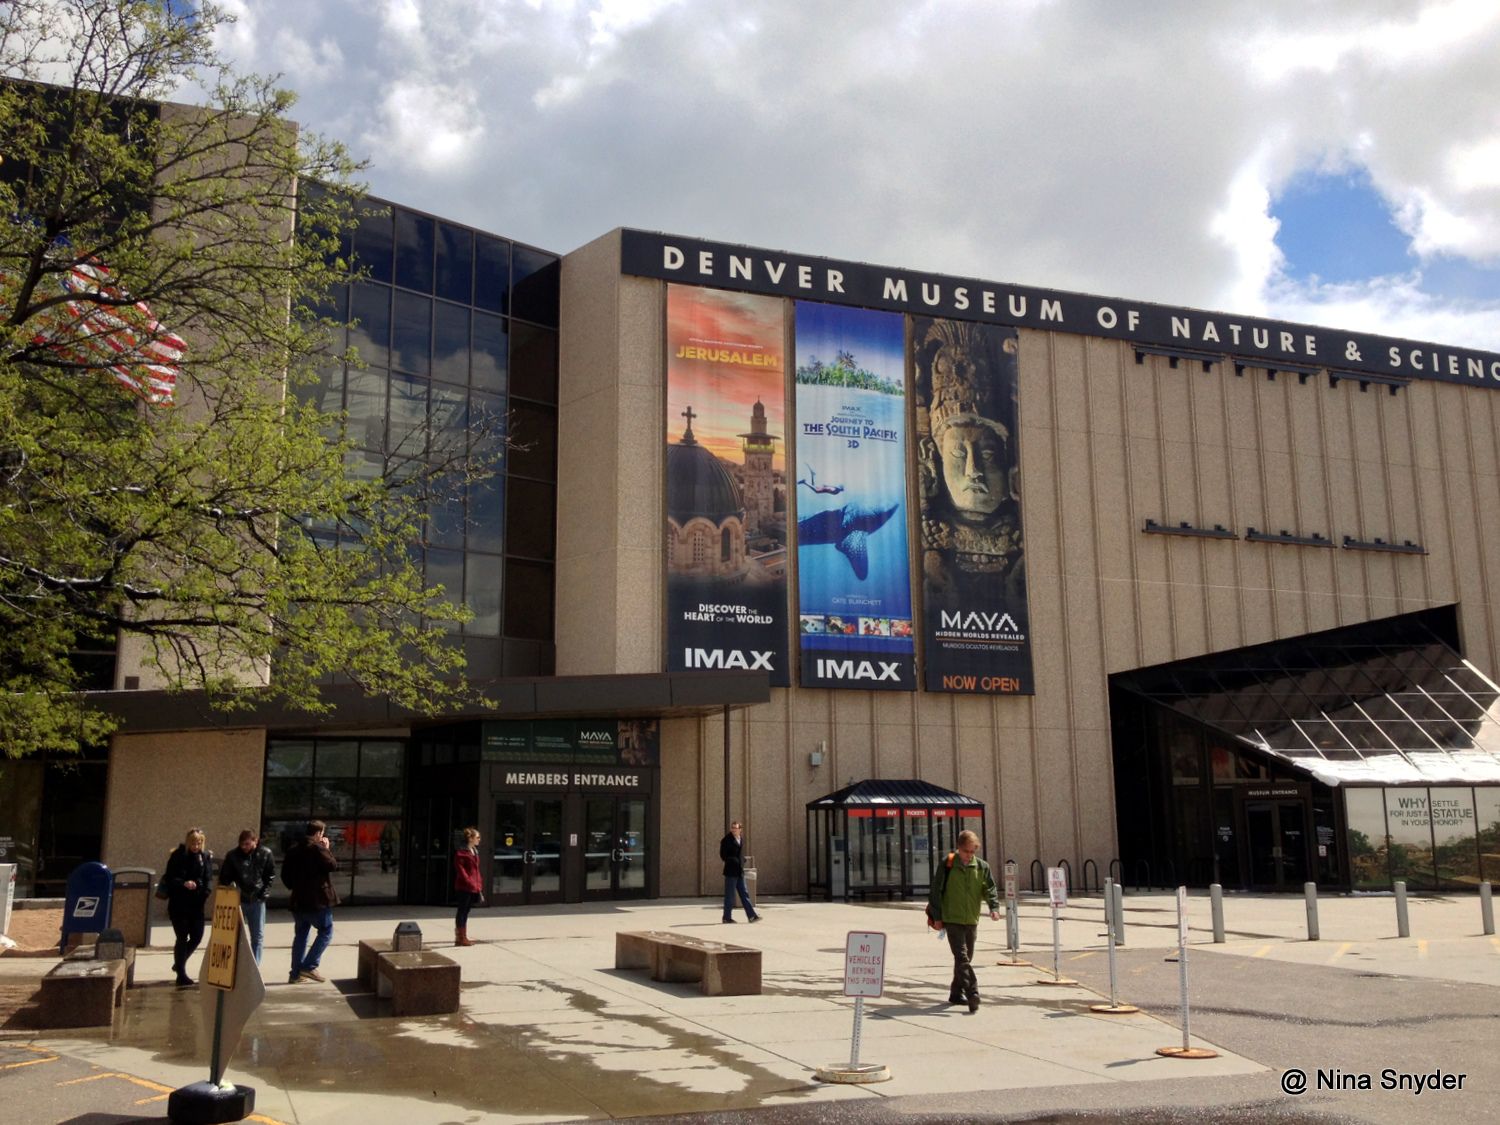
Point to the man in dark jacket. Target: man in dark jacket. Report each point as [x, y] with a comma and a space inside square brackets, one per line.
[732, 852]
[961, 887]
[252, 869]
[306, 869]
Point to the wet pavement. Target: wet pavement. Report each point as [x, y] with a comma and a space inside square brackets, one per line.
[548, 1030]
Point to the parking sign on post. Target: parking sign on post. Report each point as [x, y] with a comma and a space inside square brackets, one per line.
[1057, 886]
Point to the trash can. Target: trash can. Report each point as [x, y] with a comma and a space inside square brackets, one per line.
[131, 909]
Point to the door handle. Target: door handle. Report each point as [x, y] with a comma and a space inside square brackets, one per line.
[528, 856]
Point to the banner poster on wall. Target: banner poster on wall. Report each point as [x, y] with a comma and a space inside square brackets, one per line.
[726, 482]
[974, 617]
[853, 575]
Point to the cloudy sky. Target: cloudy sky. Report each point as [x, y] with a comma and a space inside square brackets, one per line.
[1334, 162]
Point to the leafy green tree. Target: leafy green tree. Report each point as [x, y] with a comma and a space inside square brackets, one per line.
[161, 278]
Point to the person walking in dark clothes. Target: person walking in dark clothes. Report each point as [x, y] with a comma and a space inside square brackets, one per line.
[188, 876]
[307, 869]
[732, 852]
[252, 869]
[960, 887]
[466, 884]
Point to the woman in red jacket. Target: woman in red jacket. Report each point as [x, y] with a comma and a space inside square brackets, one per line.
[466, 883]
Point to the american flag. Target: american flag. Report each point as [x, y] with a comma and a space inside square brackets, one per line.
[127, 338]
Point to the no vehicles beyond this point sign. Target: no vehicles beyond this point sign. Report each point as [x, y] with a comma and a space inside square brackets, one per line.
[864, 964]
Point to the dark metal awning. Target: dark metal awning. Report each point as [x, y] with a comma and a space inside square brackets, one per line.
[907, 794]
[647, 695]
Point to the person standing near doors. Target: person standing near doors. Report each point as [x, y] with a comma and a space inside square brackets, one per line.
[188, 877]
[466, 884]
[962, 885]
[252, 869]
[307, 870]
[732, 852]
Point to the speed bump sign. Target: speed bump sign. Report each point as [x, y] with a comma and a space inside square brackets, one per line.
[223, 939]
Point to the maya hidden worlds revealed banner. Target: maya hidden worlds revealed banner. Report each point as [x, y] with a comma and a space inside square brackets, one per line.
[974, 621]
[853, 576]
[726, 482]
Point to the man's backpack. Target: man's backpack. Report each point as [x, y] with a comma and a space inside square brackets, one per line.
[934, 914]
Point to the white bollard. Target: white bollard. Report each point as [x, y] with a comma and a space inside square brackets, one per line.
[1486, 907]
[1403, 921]
[1216, 901]
[1310, 892]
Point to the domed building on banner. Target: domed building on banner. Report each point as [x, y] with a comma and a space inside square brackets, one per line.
[705, 511]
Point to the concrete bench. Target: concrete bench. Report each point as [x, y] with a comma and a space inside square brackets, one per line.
[717, 968]
[369, 958]
[85, 993]
[421, 983]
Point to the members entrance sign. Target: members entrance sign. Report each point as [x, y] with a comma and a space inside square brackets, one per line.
[864, 964]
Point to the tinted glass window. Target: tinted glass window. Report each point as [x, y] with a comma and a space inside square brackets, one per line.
[446, 569]
[414, 251]
[412, 333]
[486, 515]
[533, 357]
[450, 342]
[533, 441]
[370, 307]
[536, 278]
[482, 594]
[490, 360]
[491, 274]
[408, 416]
[373, 241]
[529, 524]
[445, 515]
[528, 600]
[365, 402]
[455, 263]
[338, 759]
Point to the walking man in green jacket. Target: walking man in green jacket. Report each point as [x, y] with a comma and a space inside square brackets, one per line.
[960, 887]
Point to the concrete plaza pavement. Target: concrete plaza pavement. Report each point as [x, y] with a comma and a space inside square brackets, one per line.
[549, 1030]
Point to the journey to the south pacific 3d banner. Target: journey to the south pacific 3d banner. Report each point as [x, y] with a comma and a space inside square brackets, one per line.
[726, 490]
[853, 575]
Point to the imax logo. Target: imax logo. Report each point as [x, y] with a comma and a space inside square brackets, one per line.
[986, 622]
[732, 658]
[864, 670]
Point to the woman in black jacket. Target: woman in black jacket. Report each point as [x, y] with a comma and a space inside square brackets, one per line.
[188, 877]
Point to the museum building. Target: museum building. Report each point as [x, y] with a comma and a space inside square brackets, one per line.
[862, 556]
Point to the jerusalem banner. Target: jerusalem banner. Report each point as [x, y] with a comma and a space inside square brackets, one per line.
[726, 482]
[853, 573]
[974, 619]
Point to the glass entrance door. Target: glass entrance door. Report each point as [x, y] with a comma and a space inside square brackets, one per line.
[527, 851]
[1277, 841]
[615, 855]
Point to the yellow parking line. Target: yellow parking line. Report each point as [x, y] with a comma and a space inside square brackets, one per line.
[1081, 956]
[1495, 941]
[28, 1062]
[1262, 951]
[1340, 951]
[1421, 949]
[91, 1078]
[153, 1098]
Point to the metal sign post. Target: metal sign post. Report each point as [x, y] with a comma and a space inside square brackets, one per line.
[864, 975]
[1186, 1051]
[1114, 1007]
[1057, 895]
[229, 969]
[1012, 916]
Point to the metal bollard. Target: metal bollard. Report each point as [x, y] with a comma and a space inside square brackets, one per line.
[1486, 907]
[1403, 921]
[1310, 892]
[1119, 914]
[1216, 900]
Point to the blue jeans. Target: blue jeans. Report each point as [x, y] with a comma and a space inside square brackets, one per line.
[255, 920]
[304, 920]
[735, 884]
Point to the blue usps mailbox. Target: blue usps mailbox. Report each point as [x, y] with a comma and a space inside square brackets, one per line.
[86, 909]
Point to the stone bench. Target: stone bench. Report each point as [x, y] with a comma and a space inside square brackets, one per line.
[80, 993]
[717, 968]
[421, 983]
[369, 958]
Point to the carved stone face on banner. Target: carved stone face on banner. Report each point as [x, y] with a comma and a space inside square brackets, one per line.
[974, 470]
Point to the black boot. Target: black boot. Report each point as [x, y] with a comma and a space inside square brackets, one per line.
[974, 1001]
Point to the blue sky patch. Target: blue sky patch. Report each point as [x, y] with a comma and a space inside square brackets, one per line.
[1337, 227]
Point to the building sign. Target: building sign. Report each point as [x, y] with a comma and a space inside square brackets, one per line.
[853, 576]
[602, 742]
[542, 776]
[1264, 343]
[974, 615]
[726, 483]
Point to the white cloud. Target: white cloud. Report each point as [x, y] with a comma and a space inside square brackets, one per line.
[1125, 149]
